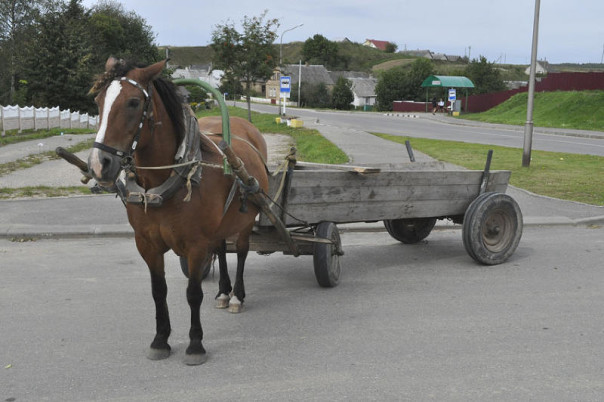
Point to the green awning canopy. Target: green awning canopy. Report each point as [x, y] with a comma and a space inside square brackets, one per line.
[447, 81]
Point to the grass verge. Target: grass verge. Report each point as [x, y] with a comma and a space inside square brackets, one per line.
[559, 175]
[42, 191]
[581, 110]
[32, 160]
[310, 144]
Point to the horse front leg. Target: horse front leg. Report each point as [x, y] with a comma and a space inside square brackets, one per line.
[160, 349]
[195, 354]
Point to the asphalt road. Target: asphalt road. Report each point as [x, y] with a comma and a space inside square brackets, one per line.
[412, 323]
[443, 128]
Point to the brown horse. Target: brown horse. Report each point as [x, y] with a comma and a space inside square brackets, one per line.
[143, 125]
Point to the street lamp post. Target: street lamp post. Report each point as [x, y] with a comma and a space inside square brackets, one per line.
[281, 58]
[281, 42]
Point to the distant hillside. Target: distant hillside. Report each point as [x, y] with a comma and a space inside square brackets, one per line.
[363, 58]
[358, 57]
[187, 56]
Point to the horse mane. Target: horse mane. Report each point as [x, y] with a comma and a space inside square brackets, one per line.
[165, 89]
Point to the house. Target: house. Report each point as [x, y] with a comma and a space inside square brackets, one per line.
[311, 75]
[363, 90]
[376, 44]
[424, 53]
[200, 72]
[363, 87]
[541, 67]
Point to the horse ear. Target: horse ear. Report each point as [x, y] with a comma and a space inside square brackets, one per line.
[110, 63]
[154, 70]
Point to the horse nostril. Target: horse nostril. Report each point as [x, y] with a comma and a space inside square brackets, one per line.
[106, 164]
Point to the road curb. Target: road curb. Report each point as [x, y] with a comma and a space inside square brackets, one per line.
[23, 232]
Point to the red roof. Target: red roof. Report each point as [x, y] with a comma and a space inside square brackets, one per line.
[380, 44]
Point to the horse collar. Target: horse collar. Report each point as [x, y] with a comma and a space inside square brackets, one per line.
[187, 172]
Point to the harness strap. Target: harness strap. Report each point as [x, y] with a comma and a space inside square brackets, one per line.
[109, 149]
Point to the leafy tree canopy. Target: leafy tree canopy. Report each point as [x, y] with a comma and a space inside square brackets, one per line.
[402, 83]
[248, 56]
[485, 76]
[63, 45]
[342, 96]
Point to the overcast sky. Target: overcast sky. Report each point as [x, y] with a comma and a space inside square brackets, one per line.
[500, 30]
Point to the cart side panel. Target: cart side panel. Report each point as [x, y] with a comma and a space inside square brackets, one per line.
[341, 197]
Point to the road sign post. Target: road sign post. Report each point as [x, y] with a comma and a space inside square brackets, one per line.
[285, 89]
[452, 97]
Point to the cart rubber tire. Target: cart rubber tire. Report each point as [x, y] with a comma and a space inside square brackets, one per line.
[410, 231]
[492, 228]
[470, 212]
[184, 266]
[326, 257]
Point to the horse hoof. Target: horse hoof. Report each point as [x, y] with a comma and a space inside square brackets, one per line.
[235, 306]
[222, 301]
[195, 359]
[158, 354]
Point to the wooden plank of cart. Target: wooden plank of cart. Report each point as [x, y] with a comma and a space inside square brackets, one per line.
[313, 199]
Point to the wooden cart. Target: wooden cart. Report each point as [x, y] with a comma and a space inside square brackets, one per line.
[312, 199]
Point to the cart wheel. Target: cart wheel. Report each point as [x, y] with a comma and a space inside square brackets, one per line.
[492, 228]
[326, 257]
[184, 266]
[410, 231]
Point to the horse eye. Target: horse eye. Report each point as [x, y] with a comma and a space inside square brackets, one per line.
[134, 103]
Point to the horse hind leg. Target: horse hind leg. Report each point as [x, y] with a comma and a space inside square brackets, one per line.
[224, 283]
[243, 246]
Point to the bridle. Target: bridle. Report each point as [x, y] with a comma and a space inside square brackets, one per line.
[126, 156]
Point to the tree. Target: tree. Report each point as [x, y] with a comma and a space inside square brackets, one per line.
[390, 87]
[58, 66]
[16, 17]
[248, 56]
[121, 33]
[391, 47]
[485, 76]
[420, 69]
[341, 95]
[402, 83]
[70, 45]
[320, 50]
[313, 95]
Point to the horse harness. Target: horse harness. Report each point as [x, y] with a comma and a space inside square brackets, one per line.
[187, 167]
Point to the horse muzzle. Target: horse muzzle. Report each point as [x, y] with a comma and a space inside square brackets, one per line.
[104, 166]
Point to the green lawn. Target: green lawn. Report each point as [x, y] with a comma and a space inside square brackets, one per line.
[310, 144]
[559, 175]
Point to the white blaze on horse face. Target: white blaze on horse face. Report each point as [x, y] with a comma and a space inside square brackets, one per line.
[111, 95]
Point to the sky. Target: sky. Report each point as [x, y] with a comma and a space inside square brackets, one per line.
[500, 30]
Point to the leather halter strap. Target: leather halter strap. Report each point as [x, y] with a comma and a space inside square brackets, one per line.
[115, 151]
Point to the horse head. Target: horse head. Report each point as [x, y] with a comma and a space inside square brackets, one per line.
[124, 102]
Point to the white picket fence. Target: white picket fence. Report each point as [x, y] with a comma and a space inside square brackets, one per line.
[31, 118]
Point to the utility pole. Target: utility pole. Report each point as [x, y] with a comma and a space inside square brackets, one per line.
[528, 127]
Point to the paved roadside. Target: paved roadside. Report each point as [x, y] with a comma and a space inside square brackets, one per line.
[104, 215]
